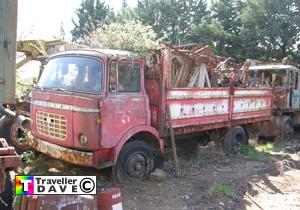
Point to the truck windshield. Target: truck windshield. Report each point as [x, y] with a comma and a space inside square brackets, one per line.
[264, 77]
[72, 73]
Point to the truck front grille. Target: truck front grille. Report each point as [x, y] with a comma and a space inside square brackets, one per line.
[52, 125]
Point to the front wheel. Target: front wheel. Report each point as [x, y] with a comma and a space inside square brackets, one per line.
[135, 162]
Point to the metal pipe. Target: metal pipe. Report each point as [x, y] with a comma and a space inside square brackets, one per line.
[7, 112]
[22, 121]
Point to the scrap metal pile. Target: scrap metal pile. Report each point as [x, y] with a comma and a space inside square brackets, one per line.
[196, 65]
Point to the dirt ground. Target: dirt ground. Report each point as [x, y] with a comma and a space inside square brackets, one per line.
[209, 179]
[269, 181]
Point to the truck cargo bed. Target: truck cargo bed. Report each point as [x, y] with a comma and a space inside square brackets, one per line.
[208, 108]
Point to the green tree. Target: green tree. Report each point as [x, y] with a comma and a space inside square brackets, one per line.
[227, 13]
[209, 31]
[129, 35]
[91, 15]
[126, 13]
[171, 19]
[275, 24]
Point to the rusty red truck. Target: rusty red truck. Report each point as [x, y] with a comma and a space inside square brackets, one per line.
[286, 106]
[101, 108]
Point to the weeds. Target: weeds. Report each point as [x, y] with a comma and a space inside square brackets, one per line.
[249, 152]
[28, 157]
[221, 189]
[269, 147]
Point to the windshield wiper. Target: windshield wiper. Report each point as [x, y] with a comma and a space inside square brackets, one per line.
[38, 87]
[60, 89]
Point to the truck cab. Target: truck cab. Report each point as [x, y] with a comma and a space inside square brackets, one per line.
[286, 97]
[88, 104]
[287, 86]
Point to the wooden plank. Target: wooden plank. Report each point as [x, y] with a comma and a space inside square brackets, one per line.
[194, 78]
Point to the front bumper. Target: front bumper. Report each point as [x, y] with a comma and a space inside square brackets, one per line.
[69, 155]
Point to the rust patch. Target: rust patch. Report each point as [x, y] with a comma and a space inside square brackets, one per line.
[65, 154]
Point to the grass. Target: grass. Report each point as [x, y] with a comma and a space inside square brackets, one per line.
[262, 150]
[250, 152]
[268, 147]
[221, 189]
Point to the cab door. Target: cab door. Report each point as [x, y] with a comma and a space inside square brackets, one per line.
[125, 104]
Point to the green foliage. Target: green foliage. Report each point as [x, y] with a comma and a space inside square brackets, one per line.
[250, 152]
[24, 86]
[126, 13]
[208, 31]
[257, 29]
[130, 35]
[268, 147]
[171, 18]
[221, 189]
[273, 24]
[28, 157]
[91, 15]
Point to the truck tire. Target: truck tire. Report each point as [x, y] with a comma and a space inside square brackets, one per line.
[11, 132]
[234, 137]
[286, 129]
[135, 162]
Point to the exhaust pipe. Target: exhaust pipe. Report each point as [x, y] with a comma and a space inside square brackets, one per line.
[23, 122]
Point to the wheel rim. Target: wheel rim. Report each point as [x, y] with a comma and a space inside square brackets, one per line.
[18, 137]
[137, 166]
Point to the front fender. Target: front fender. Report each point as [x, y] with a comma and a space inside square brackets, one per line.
[131, 133]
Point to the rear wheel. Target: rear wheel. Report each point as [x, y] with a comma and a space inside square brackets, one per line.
[286, 127]
[234, 138]
[135, 162]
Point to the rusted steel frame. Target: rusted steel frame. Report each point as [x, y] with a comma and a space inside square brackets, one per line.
[198, 46]
[222, 63]
[7, 151]
[178, 51]
[63, 153]
[179, 100]
[199, 51]
[231, 99]
[174, 152]
[273, 89]
[255, 96]
[218, 125]
[186, 45]
[8, 160]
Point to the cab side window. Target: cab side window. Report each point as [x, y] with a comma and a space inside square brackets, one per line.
[125, 77]
[296, 81]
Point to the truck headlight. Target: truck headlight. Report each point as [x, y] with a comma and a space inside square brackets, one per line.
[83, 140]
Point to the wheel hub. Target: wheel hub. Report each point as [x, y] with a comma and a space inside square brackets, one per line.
[136, 166]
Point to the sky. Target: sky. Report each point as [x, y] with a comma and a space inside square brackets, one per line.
[42, 19]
